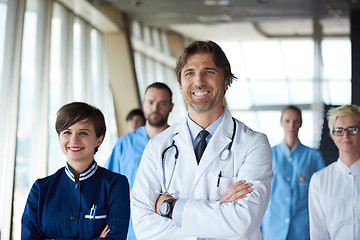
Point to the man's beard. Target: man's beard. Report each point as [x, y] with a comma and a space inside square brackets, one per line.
[203, 107]
[159, 123]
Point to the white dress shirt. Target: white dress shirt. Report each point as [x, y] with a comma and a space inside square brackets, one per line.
[334, 202]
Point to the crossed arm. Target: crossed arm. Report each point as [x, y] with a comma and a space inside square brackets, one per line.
[235, 192]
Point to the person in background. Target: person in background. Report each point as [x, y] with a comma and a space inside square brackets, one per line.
[185, 190]
[287, 217]
[135, 119]
[126, 155]
[81, 200]
[334, 197]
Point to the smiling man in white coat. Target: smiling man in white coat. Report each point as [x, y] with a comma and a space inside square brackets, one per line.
[184, 192]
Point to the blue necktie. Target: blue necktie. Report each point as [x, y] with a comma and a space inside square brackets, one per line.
[200, 148]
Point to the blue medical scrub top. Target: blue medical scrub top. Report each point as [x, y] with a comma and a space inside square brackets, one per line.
[125, 159]
[60, 208]
[127, 152]
[287, 214]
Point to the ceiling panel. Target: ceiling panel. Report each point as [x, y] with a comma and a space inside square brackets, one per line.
[236, 19]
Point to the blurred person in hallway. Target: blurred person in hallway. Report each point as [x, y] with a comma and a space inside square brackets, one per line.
[334, 196]
[81, 200]
[127, 152]
[287, 217]
[135, 119]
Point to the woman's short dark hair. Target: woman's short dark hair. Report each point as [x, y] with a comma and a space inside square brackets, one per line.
[74, 112]
[218, 56]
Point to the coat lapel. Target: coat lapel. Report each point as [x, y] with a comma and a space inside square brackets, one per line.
[217, 144]
[183, 141]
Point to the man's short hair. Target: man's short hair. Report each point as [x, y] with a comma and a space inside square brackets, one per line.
[218, 56]
[135, 112]
[160, 85]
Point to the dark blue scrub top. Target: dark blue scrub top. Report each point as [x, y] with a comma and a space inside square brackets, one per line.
[60, 208]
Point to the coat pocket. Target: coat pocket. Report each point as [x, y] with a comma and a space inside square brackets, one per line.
[219, 185]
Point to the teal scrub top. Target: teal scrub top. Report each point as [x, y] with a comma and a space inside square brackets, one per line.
[287, 214]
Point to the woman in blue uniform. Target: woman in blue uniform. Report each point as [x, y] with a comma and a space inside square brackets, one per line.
[81, 200]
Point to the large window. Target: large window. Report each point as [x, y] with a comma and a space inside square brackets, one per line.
[3, 8]
[27, 168]
[337, 71]
[83, 69]
[153, 63]
[273, 74]
[3, 99]
[48, 57]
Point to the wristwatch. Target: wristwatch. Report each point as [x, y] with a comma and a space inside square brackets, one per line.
[166, 207]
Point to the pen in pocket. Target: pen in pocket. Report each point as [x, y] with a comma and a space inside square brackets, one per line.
[93, 212]
[218, 181]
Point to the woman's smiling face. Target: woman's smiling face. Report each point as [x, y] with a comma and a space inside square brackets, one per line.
[79, 141]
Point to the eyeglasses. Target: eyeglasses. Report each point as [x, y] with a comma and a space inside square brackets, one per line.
[349, 130]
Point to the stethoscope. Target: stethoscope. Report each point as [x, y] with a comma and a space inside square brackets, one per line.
[224, 155]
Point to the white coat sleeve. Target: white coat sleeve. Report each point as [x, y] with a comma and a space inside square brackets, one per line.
[238, 220]
[146, 222]
[317, 220]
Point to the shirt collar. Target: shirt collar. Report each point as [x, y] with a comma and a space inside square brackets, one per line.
[194, 129]
[142, 130]
[85, 174]
[285, 148]
[354, 169]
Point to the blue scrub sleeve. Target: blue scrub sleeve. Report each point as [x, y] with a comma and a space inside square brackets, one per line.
[320, 163]
[30, 228]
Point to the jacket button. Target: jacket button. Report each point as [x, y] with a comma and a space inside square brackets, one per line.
[72, 218]
[76, 186]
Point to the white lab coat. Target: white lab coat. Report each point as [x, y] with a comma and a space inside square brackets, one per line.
[204, 216]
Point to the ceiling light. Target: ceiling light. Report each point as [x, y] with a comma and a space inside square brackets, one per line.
[335, 12]
[136, 3]
[216, 2]
[214, 18]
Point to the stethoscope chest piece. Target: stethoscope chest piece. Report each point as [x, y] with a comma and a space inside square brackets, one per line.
[225, 154]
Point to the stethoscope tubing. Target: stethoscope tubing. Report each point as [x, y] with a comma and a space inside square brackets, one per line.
[223, 156]
[163, 165]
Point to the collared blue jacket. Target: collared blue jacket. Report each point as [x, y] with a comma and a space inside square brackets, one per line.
[60, 208]
[287, 214]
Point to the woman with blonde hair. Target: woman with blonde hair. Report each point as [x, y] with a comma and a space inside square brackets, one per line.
[334, 195]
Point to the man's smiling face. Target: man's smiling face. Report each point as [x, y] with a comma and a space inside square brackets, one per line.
[203, 83]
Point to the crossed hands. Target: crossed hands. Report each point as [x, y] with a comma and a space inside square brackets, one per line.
[102, 235]
[235, 192]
